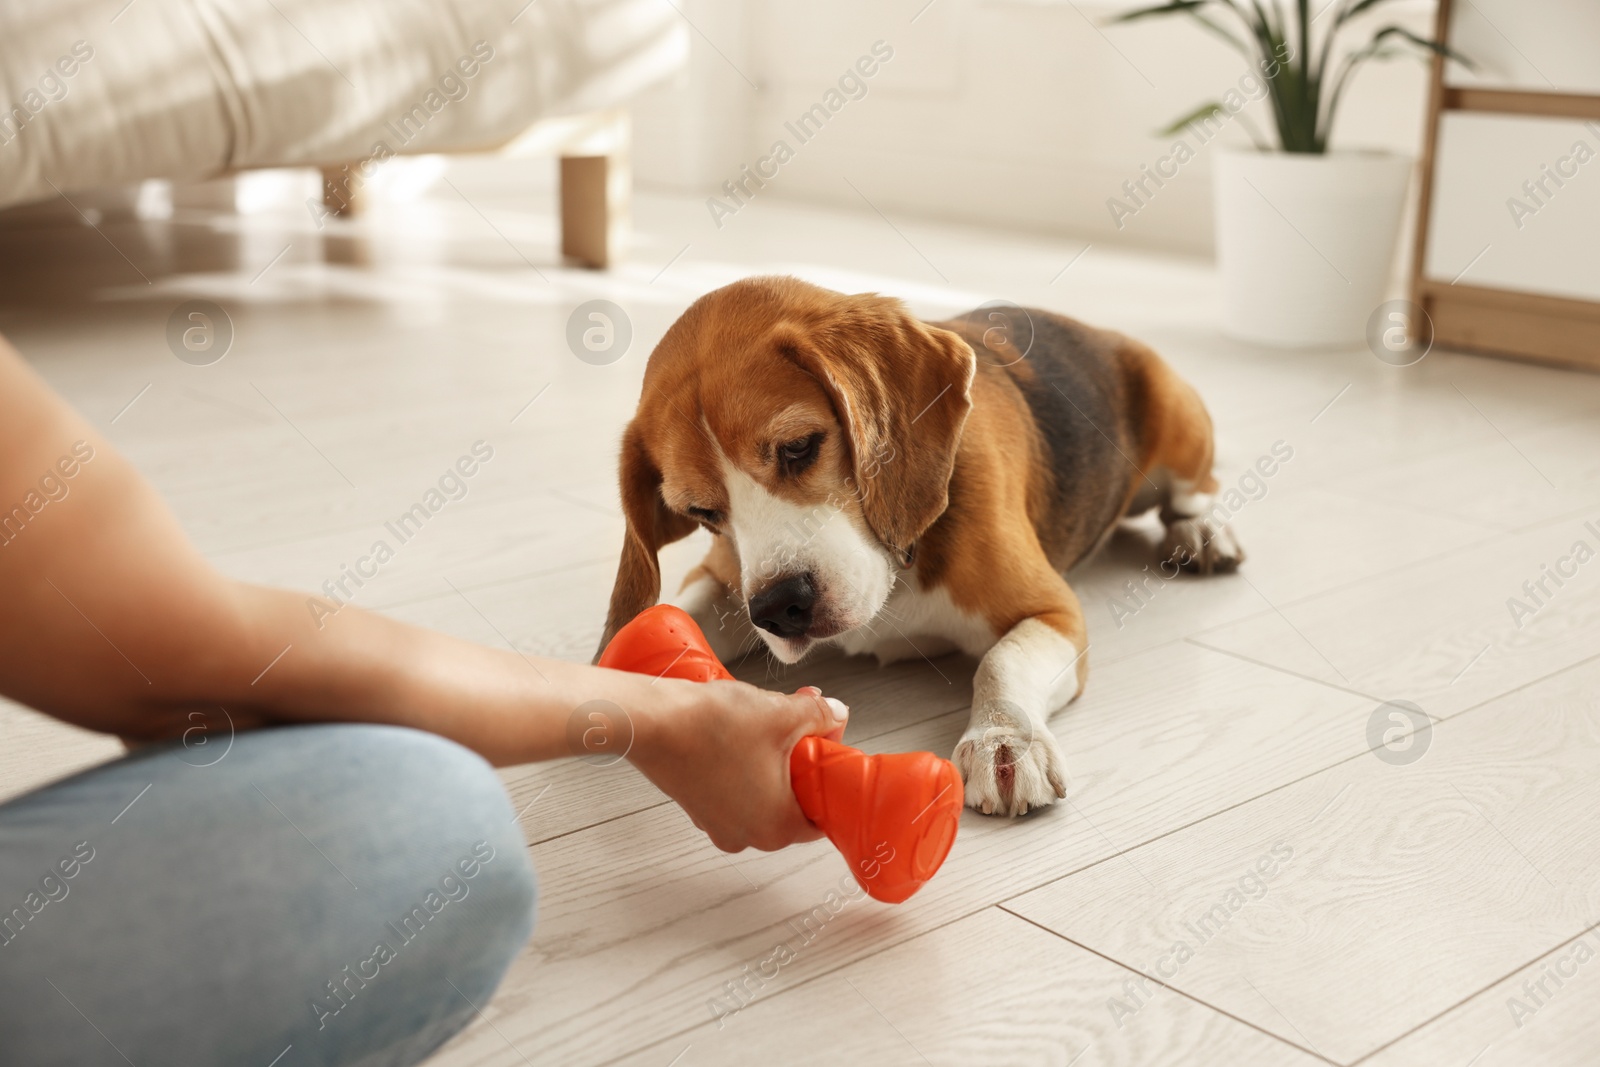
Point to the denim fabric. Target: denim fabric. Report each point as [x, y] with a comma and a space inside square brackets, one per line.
[314, 895]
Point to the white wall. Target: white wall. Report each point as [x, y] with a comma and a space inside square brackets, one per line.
[1022, 113]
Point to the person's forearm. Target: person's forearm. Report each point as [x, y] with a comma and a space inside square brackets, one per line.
[510, 708]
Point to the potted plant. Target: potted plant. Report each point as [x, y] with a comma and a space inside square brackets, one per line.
[1305, 236]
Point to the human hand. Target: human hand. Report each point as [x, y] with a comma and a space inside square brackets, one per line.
[721, 750]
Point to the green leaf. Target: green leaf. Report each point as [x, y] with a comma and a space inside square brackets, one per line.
[1204, 111]
[1220, 31]
[1436, 47]
[1376, 49]
[1173, 7]
[1356, 9]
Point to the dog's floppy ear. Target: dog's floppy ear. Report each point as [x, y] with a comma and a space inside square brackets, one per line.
[650, 525]
[901, 390]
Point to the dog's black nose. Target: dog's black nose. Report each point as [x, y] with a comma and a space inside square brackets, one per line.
[784, 608]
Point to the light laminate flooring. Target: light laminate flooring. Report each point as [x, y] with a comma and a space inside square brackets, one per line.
[1255, 864]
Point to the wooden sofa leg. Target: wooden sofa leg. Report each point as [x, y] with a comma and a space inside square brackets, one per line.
[594, 207]
[342, 193]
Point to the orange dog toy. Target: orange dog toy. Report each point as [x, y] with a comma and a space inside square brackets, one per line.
[893, 817]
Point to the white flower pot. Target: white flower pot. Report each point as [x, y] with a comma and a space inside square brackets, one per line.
[1305, 243]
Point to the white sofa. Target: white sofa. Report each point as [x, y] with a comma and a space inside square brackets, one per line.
[107, 92]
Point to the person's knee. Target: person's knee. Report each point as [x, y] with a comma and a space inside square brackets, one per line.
[496, 866]
[377, 877]
[446, 796]
[465, 854]
[428, 823]
[451, 879]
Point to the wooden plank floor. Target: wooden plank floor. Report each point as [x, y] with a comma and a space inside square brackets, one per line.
[1242, 873]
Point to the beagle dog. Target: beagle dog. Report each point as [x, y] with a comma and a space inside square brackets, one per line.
[896, 487]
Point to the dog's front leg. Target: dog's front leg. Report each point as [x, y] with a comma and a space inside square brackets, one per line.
[1008, 757]
[719, 614]
[709, 598]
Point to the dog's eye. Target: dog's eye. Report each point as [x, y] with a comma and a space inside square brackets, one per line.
[705, 515]
[796, 456]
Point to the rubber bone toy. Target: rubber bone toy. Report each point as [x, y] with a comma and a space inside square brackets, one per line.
[893, 817]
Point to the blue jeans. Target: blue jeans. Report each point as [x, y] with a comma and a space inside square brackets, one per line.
[307, 895]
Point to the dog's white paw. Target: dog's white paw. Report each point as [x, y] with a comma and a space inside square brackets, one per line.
[1197, 546]
[1009, 765]
[721, 618]
[729, 633]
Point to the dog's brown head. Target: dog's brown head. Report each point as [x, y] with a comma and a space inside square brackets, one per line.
[814, 432]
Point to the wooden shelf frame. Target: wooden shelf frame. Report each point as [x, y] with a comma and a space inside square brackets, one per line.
[1499, 322]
